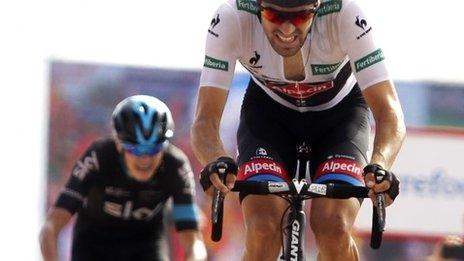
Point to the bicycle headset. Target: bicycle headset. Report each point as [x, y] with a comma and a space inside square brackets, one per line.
[144, 122]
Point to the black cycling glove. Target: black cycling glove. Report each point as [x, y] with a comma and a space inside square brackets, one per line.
[221, 166]
[382, 174]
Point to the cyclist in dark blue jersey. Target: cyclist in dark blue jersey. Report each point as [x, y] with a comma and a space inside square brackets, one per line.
[119, 190]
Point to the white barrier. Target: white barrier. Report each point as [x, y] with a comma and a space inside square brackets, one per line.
[431, 202]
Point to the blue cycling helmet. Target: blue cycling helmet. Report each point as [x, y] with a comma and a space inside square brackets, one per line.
[143, 121]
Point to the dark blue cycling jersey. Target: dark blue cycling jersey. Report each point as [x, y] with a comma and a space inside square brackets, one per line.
[119, 218]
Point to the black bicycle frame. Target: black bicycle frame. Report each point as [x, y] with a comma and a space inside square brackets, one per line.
[296, 220]
[295, 232]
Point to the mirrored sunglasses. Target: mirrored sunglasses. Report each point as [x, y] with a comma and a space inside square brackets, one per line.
[142, 150]
[279, 17]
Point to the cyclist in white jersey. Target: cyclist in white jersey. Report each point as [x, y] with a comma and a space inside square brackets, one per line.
[315, 69]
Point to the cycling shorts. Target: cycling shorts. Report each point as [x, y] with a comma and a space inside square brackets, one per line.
[269, 132]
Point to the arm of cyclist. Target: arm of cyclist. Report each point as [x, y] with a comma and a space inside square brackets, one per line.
[57, 218]
[192, 242]
[206, 141]
[390, 132]
[68, 202]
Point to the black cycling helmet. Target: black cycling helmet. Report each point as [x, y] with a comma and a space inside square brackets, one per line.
[143, 120]
[290, 3]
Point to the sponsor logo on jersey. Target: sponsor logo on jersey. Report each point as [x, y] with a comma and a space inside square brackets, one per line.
[301, 90]
[319, 69]
[257, 167]
[84, 166]
[215, 21]
[213, 63]
[261, 152]
[254, 60]
[362, 23]
[369, 60]
[340, 166]
[343, 156]
[261, 166]
[126, 211]
[73, 193]
[248, 6]
[329, 7]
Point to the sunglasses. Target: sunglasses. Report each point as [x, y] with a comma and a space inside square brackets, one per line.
[278, 17]
[141, 150]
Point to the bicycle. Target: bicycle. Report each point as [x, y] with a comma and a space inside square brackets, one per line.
[296, 192]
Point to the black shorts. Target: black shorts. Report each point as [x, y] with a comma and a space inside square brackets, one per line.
[269, 133]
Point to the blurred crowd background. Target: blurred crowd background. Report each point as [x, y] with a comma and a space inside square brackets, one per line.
[83, 95]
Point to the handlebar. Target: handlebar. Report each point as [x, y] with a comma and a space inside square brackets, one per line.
[217, 212]
[378, 221]
[302, 190]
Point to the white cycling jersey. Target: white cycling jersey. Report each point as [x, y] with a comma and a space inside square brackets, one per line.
[338, 52]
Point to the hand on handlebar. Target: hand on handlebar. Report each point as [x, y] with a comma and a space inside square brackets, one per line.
[379, 180]
[220, 173]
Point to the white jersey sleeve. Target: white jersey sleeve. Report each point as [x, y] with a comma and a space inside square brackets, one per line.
[356, 39]
[222, 48]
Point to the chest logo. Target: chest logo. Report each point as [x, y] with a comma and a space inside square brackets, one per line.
[321, 69]
[301, 90]
[254, 60]
[127, 211]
